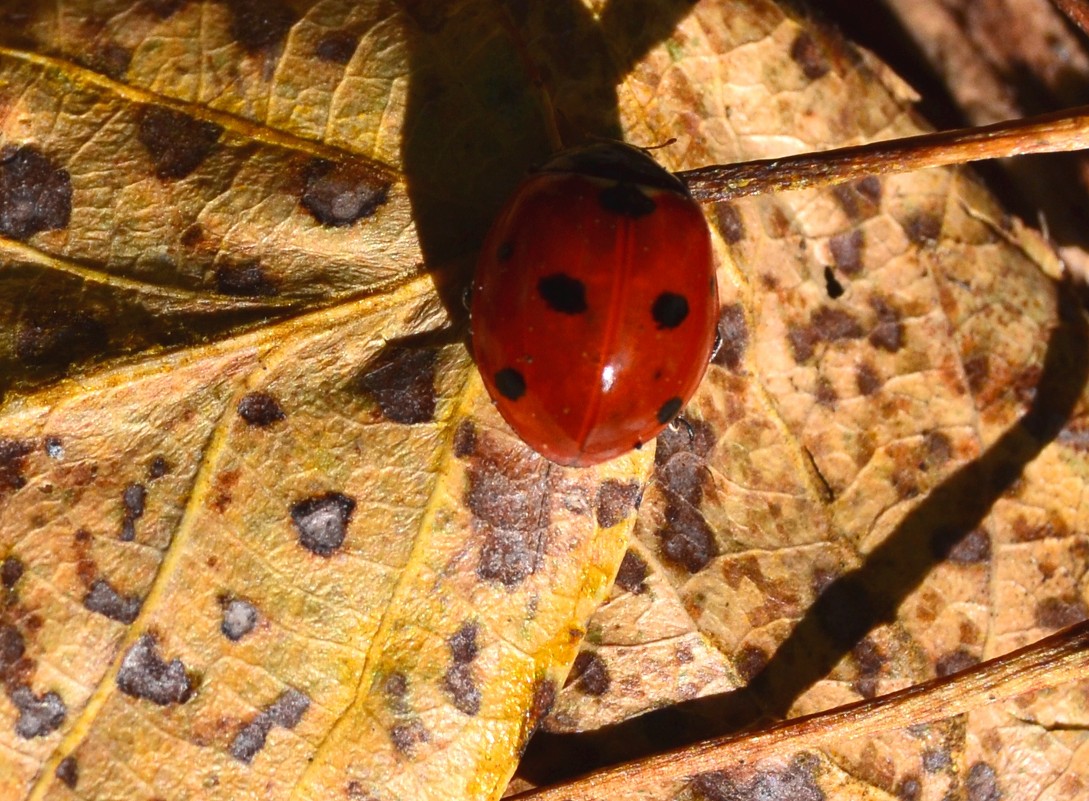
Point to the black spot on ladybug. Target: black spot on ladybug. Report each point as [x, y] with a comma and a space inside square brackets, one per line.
[239, 618]
[982, 784]
[35, 194]
[733, 332]
[244, 280]
[510, 383]
[626, 200]
[322, 521]
[260, 24]
[68, 772]
[669, 310]
[145, 674]
[832, 285]
[408, 737]
[11, 570]
[1058, 613]
[337, 47]
[58, 337]
[668, 410]
[260, 409]
[338, 194]
[633, 572]
[13, 453]
[39, 715]
[505, 251]
[888, 334]
[616, 500]
[590, 674]
[563, 293]
[401, 381]
[465, 439]
[729, 222]
[104, 600]
[807, 55]
[176, 143]
[286, 712]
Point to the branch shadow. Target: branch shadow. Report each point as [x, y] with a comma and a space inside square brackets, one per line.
[858, 601]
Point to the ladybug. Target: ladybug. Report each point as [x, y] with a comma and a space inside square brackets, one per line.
[594, 304]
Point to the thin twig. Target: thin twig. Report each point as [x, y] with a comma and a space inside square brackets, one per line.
[1061, 131]
[1056, 660]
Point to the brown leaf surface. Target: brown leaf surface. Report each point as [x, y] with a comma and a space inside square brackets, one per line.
[262, 534]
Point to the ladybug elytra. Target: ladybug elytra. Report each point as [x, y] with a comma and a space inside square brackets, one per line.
[594, 304]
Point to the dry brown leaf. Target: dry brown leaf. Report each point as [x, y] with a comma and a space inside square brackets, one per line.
[231, 437]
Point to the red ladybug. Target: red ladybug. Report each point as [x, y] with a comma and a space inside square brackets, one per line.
[594, 304]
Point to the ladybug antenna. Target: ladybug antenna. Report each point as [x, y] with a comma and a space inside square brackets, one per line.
[670, 141]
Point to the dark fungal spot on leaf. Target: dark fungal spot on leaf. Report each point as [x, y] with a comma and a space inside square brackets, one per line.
[668, 410]
[510, 383]
[462, 644]
[936, 760]
[339, 194]
[68, 772]
[192, 236]
[322, 521]
[285, 712]
[686, 540]
[408, 737]
[58, 337]
[39, 715]
[395, 688]
[12, 647]
[260, 24]
[244, 280]
[175, 142]
[616, 500]
[260, 409]
[145, 674]
[627, 200]
[955, 662]
[923, 228]
[734, 333]
[509, 556]
[158, 468]
[13, 453]
[465, 439]
[239, 618]
[729, 222]
[460, 687]
[750, 660]
[11, 570]
[888, 334]
[908, 789]
[112, 59]
[832, 285]
[632, 575]
[796, 782]
[1058, 613]
[590, 674]
[505, 251]
[805, 52]
[869, 661]
[337, 47]
[401, 381]
[973, 548]
[669, 310]
[104, 600]
[982, 783]
[977, 370]
[544, 697]
[867, 379]
[847, 251]
[35, 194]
[562, 293]
[133, 498]
[833, 325]
[802, 341]
[826, 393]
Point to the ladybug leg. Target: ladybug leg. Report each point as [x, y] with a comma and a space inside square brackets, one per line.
[680, 422]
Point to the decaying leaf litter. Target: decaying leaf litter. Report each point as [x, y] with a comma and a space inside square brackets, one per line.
[256, 522]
